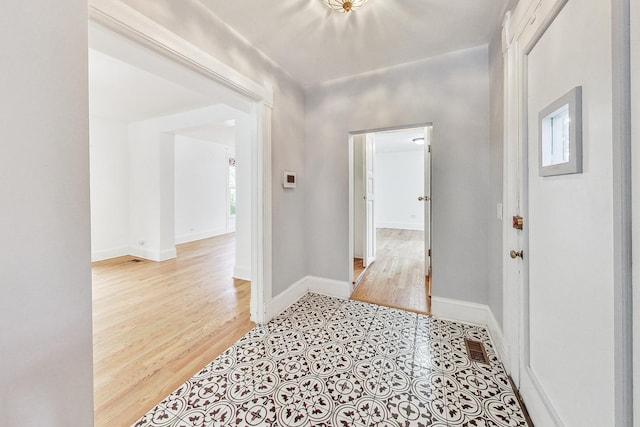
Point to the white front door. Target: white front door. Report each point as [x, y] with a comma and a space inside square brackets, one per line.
[561, 283]
[369, 180]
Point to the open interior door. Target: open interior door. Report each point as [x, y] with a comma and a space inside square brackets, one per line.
[427, 213]
[369, 180]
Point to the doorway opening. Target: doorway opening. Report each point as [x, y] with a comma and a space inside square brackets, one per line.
[390, 217]
[187, 277]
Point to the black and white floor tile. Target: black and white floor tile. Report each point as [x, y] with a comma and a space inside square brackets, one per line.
[332, 362]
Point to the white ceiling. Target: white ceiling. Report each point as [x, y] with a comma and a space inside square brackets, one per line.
[123, 92]
[128, 82]
[398, 140]
[221, 133]
[120, 91]
[315, 44]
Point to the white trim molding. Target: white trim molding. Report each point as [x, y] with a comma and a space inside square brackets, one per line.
[329, 287]
[192, 237]
[153, 254]
[283, 300]
[401, 225]
[125, 20]
[242, 272]
[470, 312]
[318, 285]
[109, 253]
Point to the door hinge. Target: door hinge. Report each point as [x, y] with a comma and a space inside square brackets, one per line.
[429, 252]
[429, 149]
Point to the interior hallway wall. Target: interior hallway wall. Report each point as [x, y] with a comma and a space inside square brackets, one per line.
[45, 308]
[399, 182]
[496, 153]
[195, 23]
[452, 91]
[152, 177]
[201, 188]
[109, 166]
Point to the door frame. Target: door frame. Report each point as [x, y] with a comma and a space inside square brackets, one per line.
[369, 171]
[351, 183]
[137, 28]
[522, 29]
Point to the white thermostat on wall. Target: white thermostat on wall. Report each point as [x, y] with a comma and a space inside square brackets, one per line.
[289, 180]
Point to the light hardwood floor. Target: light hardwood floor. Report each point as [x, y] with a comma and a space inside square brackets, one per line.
[397, 278]
[157, 324]
[358, 269]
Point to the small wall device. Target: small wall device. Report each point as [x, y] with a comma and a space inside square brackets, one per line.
[289, 180]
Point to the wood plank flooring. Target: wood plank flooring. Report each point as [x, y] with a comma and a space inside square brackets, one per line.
[358, 269]
[157, 324]
[397, 277]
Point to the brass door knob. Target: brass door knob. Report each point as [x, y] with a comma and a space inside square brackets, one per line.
[516, 254]
[423, 198]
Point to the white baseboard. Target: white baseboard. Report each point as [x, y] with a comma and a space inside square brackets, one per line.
[469, 312]
[401, 225]
[461, 311]
[242, 272]
[284, 299]
[443, 308]
[192, 237]
[495, 332]
[318, 285]
[152, 254]
[109, 253]
[329, 287]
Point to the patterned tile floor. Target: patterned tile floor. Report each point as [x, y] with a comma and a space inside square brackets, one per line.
[333, 362]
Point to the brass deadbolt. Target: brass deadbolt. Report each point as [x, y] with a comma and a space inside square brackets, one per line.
[516, 254]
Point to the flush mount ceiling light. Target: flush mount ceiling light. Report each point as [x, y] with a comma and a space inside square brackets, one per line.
[344, 5]
[418, 141]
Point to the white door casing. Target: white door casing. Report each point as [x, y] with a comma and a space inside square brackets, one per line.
[428, 132]
[369, 180]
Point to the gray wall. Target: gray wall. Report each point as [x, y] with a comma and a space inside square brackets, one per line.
[452, 91]
[635, 140]
[45, 279]
[496, 144]
[193, 22]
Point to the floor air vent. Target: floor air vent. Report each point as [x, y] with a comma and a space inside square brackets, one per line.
[476, 351]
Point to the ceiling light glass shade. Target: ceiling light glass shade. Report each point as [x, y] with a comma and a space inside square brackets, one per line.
[344, 5]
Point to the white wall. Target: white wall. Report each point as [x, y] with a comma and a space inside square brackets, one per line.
[201, 183]
[109, 188]
[571, 222]
[152, 175]
[288, 119]
[45, 308]
[452, 91]
[242, 268]
[399, 183]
